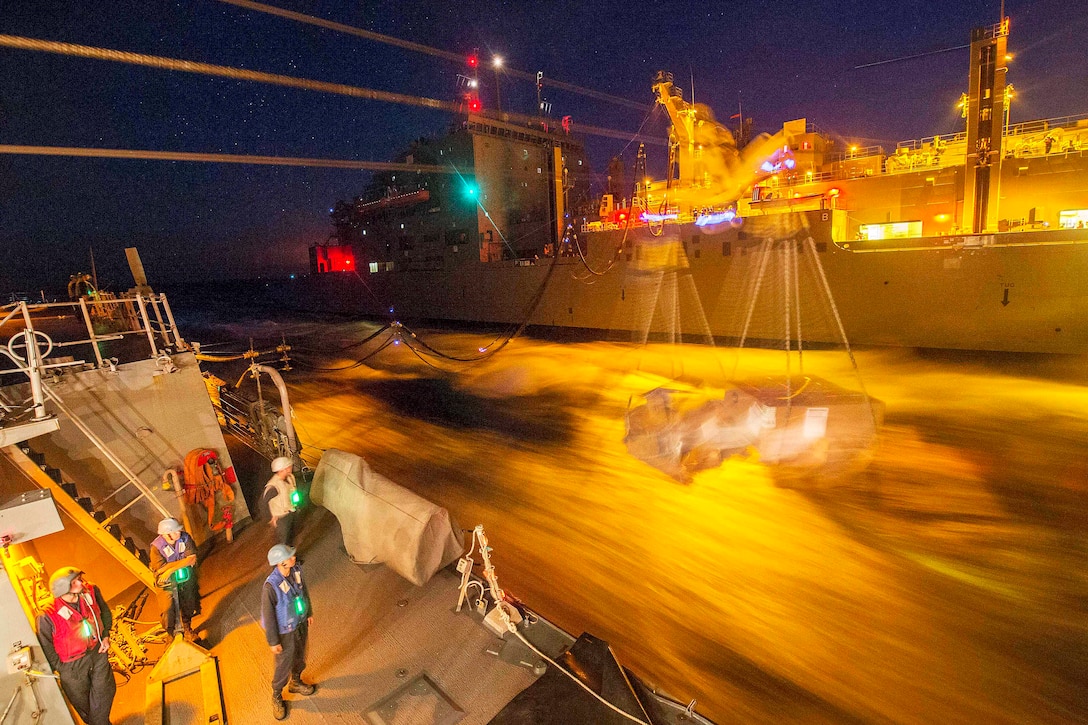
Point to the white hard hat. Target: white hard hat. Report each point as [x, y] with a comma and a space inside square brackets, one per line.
[281, 463]
[61, 581]
[169, 526]
[280, 553]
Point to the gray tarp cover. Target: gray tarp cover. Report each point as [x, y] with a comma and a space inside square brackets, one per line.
[382, 522]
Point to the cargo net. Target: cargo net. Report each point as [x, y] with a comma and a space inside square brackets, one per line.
[772, 407]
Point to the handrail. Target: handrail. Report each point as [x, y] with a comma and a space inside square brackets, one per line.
[140, 315]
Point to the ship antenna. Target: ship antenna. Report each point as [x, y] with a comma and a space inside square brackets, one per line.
[94, 271]
[691, 70]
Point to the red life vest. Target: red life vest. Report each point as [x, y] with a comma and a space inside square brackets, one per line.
[77, 627]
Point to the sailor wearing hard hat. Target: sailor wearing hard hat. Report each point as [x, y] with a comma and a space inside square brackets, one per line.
[74, 631]
[175, 546]
[286, 616]
[282, 499]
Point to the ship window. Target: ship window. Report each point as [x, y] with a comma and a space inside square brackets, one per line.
[579, 162]
[891, 230]
[1073, 219]
[373, 267]
[538, 170]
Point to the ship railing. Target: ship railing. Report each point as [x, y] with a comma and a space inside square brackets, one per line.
[24, 350]
[856, 152]
[943, 139]
[139, 316]
[1048, 124]
[997, 30]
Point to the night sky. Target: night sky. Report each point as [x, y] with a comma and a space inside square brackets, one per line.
[205, 221]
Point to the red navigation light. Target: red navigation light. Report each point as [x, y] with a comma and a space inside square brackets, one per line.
[473, 61]
[474, 105]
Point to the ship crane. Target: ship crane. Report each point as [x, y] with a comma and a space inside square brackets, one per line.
[712, 171]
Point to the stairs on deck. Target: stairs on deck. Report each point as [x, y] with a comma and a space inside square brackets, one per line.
[82, 510]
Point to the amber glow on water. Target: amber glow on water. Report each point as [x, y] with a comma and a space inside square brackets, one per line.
[943, 583]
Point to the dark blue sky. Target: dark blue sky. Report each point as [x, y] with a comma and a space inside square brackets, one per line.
[783, 60]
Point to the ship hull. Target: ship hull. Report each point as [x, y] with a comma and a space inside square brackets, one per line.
[763, 281]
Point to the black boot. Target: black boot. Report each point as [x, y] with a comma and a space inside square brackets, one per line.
[299, 687]
[279, 707]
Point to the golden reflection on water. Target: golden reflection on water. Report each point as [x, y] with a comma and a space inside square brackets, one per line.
[944, 583]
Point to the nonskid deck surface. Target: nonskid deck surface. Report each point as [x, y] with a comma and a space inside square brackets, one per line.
[382, 651]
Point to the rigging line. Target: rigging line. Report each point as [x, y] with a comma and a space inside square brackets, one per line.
[357, 363]
[910, 57]
[349, 29]
[149, 155]
[358, 343]
[426, 49]
[151, 61]
[490, 351]
[642, 125]
[187, 66]
[611, 263]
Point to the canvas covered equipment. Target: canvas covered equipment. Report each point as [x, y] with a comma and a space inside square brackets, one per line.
[383, 522]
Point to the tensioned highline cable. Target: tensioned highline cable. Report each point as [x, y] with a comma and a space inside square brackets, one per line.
[187, 66]
[218, 158]
[420, 48]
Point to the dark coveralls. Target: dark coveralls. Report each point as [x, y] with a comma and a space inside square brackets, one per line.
[87, 680]
[285, 625]
[163, 553]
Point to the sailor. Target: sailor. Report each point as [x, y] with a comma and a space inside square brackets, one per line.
[282, 499]
[286, 617]
[174, 545]
[74, 631]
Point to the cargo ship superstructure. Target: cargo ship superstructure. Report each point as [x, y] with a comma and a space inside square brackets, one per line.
[971, 240]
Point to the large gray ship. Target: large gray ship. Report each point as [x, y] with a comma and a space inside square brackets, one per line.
[972, 240]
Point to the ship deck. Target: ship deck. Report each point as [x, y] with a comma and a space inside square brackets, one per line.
[375, 636]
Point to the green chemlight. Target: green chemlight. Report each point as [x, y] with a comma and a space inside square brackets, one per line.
[296, 498]
[300, 606]
[183, 574]
[86, 629]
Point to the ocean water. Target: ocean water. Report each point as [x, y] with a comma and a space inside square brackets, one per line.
[944, 581]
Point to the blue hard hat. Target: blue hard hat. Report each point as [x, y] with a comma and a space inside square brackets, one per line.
[280, 553]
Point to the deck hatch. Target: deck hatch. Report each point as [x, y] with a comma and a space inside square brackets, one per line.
[417, 702]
